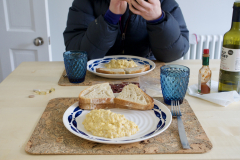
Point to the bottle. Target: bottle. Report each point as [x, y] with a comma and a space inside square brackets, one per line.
[229, 75]
[204, 75]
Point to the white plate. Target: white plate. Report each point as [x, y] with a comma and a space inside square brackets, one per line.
[99, 63]
[150, 123]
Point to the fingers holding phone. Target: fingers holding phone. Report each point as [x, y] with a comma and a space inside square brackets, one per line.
[149, 10]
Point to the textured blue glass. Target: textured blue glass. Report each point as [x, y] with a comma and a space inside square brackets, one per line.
[75, 65]
[174, 81]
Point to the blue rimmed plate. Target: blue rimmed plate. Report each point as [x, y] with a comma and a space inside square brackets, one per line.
[100, 63]
[150, 122]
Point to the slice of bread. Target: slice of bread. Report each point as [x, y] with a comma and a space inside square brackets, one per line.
[95, 106]
[138, 69]
[100, 96]
[110, 71]
[96, 94]
[132, 97]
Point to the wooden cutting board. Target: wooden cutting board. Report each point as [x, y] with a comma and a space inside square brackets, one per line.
[91, 78]
[51, 137]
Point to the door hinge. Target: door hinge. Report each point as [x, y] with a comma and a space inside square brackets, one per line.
[49, 42]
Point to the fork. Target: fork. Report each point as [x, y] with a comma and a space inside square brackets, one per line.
[175, 109]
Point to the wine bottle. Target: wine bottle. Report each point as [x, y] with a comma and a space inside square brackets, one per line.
[229, 75]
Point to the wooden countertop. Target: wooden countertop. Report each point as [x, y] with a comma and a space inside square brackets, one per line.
[20, 114]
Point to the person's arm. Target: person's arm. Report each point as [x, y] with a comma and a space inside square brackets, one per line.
[111, 17]
[169, 38]
[157, 20]
[85, 32]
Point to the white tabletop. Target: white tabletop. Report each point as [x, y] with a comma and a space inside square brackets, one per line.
[19, 114]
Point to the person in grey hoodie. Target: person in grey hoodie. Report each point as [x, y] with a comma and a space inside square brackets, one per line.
[154, 29]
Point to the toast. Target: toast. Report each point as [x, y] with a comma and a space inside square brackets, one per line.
[99, 94]
[132, 97]
[96, 106]
[110, 71]
[137, 69]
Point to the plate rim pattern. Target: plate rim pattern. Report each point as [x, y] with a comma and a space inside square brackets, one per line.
[95, 62]
[71, 125]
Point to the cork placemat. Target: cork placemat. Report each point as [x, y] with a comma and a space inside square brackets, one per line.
[51, 137]
[91, 78]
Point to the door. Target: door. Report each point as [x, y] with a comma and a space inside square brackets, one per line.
[24, 33]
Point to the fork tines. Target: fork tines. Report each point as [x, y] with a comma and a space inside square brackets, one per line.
[175, 108]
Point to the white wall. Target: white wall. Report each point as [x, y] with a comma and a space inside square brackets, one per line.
[201, 16]
[207, 16]
[58, 11]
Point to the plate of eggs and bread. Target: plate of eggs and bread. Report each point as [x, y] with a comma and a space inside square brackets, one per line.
[120, 66]
[116, 118]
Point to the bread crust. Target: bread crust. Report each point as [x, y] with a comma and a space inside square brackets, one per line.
[146, 68]
[124, 105]
[121, 103]
[89, 106]
[134, 105]
[96, 100]
[101, 70]
[83, 100]
[106, 103]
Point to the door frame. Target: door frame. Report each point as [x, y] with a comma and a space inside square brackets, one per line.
[47, 41]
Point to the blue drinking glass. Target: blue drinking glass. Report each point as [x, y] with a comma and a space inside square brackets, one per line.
[75, 65]
[174, 82]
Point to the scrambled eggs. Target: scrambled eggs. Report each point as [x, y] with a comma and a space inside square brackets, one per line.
[104, 123]
[120, 63]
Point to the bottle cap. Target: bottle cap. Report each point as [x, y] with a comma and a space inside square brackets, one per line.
[206, 51]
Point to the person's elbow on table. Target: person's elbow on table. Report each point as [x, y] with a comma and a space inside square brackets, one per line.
[171, 55]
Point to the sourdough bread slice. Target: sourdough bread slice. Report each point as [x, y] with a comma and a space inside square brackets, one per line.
[138, 69]
[110, 71]
[132, 97]
[96, 106]
[97, 94]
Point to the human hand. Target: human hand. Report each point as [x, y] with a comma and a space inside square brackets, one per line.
[118, 6]
[149, 10]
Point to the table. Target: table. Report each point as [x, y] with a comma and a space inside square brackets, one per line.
[19, 114]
